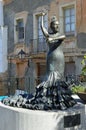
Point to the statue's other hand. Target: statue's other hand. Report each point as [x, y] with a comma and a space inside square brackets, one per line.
[51, 40]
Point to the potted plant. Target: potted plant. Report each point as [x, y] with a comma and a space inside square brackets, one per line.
[83, 74]
[80, 90]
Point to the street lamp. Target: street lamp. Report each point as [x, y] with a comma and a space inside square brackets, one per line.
[21, 54]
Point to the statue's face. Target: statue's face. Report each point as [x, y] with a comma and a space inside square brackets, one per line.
[54, 26]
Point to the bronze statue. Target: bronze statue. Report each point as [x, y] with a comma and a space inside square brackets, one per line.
[53, 93]
[55, 57]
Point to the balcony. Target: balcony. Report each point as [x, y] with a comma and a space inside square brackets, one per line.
[38, 46]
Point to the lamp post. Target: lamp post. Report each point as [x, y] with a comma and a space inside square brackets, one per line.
[9, 87]
[22, 60]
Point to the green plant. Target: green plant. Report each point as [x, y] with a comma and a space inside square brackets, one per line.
[84, 65]
[76, 89]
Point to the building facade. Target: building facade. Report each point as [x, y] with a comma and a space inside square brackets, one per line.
[27, 47]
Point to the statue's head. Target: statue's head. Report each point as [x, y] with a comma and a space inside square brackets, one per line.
[54, 24]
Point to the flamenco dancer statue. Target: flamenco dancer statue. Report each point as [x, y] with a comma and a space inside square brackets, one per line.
[53, 93]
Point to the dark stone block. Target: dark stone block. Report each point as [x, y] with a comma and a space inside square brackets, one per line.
[81, 40]
[72, 120]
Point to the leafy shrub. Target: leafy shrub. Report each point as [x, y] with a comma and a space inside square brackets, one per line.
[76, 89]
[84, 65]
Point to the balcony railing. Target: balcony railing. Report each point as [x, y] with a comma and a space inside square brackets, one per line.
[38, 45]
[11, 84]
[24, 84]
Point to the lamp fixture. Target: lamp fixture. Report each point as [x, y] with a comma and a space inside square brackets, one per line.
[21, 54]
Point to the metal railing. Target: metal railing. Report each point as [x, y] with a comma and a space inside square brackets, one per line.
[38, 45]
[75, 79]
[11, 84]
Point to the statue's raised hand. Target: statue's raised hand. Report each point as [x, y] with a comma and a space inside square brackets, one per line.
[43, 14]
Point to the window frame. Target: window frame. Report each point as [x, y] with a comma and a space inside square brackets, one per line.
[18, 16]
[35, 15]
[18, 29]
[70, 32]
[38, 25]
[38, 42]
[61, 17]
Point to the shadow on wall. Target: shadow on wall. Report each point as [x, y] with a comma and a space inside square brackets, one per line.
[81, 40]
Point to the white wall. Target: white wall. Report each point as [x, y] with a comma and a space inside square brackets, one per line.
[3, 41]
[1, 13]
[3, 49]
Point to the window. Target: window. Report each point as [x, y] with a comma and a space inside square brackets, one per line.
[39, 43]
[40, 34]
[69, 20]
[20, 28]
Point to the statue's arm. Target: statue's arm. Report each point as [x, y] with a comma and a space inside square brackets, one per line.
[53, 38]
[44, 30]
[62, 37]
[58, 37]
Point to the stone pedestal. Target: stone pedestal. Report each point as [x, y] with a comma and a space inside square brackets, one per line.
[85, 115]
[23, 119]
